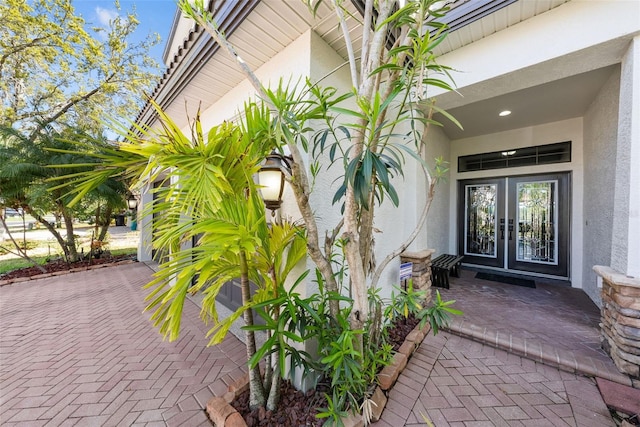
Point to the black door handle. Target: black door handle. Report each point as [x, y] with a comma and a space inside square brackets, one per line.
[501, 228]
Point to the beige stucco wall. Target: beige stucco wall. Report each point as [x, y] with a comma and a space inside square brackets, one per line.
[625, 250]
[437, 233]
[600, 135]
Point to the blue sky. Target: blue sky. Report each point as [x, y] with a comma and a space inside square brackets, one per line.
[155, 16]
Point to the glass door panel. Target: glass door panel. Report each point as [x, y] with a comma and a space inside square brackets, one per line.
[536, 222]
[540, 217]
[481, 207]
[481, 221]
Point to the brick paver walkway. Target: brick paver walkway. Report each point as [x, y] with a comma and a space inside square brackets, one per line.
[454, 381]
[78, 350]
[552, 323]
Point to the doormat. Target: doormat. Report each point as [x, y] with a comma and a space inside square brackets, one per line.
[510, 280]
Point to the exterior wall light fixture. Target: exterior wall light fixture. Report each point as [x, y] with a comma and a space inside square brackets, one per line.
[271, 179]
[132, 202]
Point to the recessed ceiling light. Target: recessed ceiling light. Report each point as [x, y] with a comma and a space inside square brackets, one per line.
[504, 113]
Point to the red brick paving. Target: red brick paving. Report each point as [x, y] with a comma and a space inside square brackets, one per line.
[78, 350]
[620, 397]
[554, 324]
[453, 381]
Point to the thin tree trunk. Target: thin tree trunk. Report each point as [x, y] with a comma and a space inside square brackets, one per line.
[268, 371]
[71, 239]
[256, 390]
[97, 216]
[274, 389]
[105, 221]
[22, 253]
[52, 230]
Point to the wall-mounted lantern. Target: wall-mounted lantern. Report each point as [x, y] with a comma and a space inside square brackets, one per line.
[132, 202]
[271, 179]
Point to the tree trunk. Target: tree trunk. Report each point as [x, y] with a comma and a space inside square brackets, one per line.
[97, 220]
[72, 250]
[52, 230]
[360, 309]
[104, 223]
[21, 252]
[256, 390]
[274, 389]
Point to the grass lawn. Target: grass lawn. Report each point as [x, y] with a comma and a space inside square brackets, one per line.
[16, 263]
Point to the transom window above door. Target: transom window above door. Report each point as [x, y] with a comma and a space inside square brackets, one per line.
[515, 157]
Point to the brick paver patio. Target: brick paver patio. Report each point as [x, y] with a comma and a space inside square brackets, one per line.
[454, 381]
[78, 350]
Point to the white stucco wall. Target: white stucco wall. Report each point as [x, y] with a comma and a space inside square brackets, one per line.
[549, 133]
[296, 56]
[573, 38]
[600, 148]
[437, 233]
[625, 250]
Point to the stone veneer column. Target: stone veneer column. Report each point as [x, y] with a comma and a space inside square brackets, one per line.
[620, 319]
[421, 270]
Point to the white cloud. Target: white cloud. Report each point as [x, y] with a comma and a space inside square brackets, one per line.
[105, 15]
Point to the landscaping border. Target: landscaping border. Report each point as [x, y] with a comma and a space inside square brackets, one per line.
[64, 272]
[222, 414]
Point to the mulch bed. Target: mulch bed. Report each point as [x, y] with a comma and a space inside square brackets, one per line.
[295, 408]
[60, 265]
[299, 409]
[400, 329]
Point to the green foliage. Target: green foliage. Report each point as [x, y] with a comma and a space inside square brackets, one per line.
[406, 302]
[438, 315]
[55, 67]
[351, 372]
[32, 169]
[333, 412]
[58, 79]
[409, 70]
[411, 302]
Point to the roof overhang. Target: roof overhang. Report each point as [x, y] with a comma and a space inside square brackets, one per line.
[199, 75]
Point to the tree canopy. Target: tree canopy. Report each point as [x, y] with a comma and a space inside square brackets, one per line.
[60, 78]
[55, 67]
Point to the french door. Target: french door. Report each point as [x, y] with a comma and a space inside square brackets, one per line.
[516, 223]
